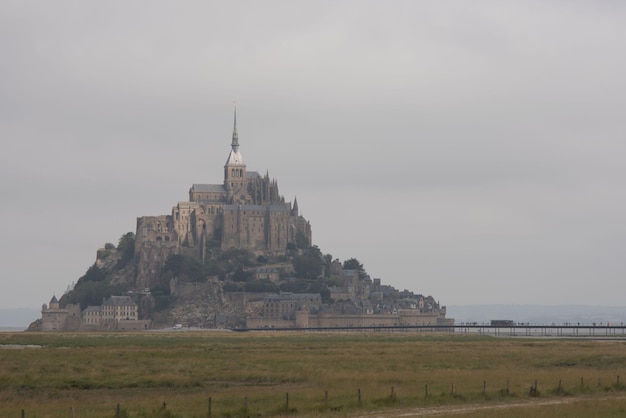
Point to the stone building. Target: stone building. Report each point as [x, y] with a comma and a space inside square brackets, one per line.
[55, 318]
[116, 313]
[292, 310]
[245, 211]
[267, 273]
[118, 308]
[286, 304]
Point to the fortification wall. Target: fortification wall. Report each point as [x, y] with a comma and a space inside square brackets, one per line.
[305, 320]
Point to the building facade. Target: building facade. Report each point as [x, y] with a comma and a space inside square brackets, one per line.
[55, 318]
[119, 313]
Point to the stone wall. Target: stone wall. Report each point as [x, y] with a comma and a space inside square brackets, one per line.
[304, 319]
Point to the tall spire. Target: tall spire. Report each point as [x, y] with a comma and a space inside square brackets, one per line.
[235, 143]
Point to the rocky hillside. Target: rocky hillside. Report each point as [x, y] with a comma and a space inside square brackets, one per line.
[217, 293]
[230, 285]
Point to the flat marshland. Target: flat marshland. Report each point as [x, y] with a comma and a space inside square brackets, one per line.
[189, 374]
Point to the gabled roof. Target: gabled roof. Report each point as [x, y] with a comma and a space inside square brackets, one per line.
[292, 296]
[272, 208]
[204, 188]
[266, 270]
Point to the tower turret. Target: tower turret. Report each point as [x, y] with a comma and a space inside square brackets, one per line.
[294, 208]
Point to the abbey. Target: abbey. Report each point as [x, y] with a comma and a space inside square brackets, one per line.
[246, 211]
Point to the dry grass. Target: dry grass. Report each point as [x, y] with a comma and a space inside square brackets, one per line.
[92, 373]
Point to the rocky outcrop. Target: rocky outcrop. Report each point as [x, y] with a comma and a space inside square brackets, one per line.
[202, 305]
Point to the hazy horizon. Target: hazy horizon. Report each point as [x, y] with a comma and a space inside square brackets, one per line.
[469, 151]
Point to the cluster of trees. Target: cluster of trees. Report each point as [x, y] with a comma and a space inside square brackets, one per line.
[95, 285]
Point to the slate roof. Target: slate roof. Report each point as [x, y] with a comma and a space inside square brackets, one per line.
[293, 296]
[272, 208]
[266, 270]
[205, 188]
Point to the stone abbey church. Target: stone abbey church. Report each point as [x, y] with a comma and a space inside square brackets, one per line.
[245, 211]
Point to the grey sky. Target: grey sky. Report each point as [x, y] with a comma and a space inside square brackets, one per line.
[469, 150]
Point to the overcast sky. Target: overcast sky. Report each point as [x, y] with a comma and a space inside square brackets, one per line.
[472, 151]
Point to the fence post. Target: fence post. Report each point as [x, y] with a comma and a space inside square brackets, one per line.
[359, 395]
[117, 411]
[245, 404]
[326, 398]
[618, 380]
[287, 402]
[72, 411]
[581, 383]
[393, 394]
[209, 412]
[559, 387]
[507, 388]
[426, 391]
[452, 390]
[23, 413]
[484, 387]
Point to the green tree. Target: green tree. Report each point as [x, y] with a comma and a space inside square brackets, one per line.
[319, 287]
[126, 247]
[315, 252]
[261, 286]
[353, 264]
[93, 274]
[231, 287]
[301, 240]
[240, 275]
[174, 264]
[295, 286]
[184, 267]
[307, 266]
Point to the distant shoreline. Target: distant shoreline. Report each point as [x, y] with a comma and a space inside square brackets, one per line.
[13, 329]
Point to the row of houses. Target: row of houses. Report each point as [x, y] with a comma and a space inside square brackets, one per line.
[304, 310]
[115, 313]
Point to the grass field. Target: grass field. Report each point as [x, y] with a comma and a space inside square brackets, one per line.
[305, 374]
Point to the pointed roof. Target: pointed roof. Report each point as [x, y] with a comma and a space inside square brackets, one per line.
[54, 299]
[235, 143]
[234, 157]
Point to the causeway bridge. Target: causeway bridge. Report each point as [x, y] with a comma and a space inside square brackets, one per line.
[594, 331]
